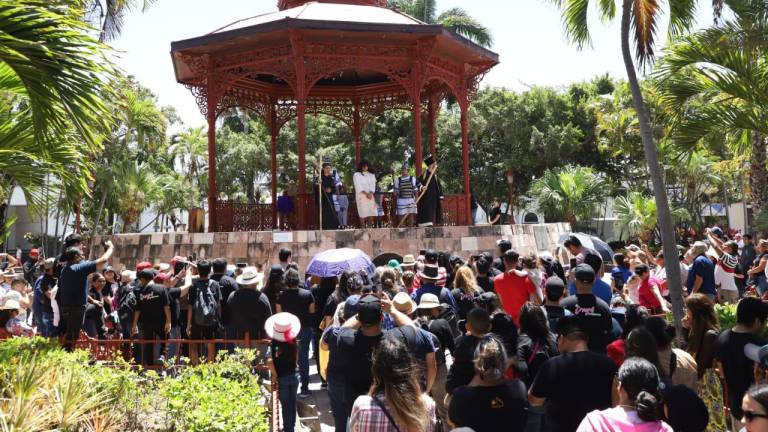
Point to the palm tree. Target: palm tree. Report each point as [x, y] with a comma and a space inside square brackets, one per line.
[52, 75]
[572, 192]
[138, 188]
[639, 20]
[717, 79]
[189, 150]
[456, 19]
[108, 15]
[636, 213]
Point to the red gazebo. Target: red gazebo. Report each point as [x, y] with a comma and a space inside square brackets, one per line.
[350, 59]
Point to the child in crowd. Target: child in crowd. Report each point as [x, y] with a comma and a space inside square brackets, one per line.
[283, 328]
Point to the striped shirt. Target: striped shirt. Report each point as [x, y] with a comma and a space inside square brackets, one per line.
[728, 262]
[405, 187]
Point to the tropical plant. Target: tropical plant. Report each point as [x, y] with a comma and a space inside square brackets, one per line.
[189, 151]
[637, 215]
[108, 15]
[639, 21]
[138, 189]
[717, 79]
[456, 19]
[571, 192]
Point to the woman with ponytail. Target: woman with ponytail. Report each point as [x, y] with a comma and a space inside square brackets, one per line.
[395, 402]
[489, 402]
[639, 404]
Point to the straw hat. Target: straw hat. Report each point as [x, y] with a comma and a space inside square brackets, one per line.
[282, 327]
[408, 261]
[429, 301]
[403, 303]
[11, 304]
[251, 277]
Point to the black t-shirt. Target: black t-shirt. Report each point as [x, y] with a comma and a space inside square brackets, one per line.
[595, 316]
[574, 384]
[486, 283]
[351, 355]
[227, 286]
[465, 301]
[554, 313]
[495, 211]
[737, 368]
[463, 368]
[418, 341]
[174, 297]
[284, 357]
[297, 302]
[46, 285]
[441, 328]
[249, 309]
[490, 409]
[151, 302]
[330, 306]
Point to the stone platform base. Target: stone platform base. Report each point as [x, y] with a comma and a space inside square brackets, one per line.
[263, 246]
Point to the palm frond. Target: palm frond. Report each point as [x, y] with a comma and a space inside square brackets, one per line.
[645, 15]
[461, 23]
[575, 21]
[682, 16]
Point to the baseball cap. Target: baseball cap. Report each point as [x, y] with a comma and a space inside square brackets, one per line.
[369, 310]
[555, 286]
[584, 273]
[351, 306]
[143, 265]
[146, 273]
[430, 256]
[162, 277]
[757, 353]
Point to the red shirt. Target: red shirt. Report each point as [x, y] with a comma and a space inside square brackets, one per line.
[514, 289]
[647, 298]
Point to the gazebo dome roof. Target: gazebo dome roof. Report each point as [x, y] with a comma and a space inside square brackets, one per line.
[322, 11]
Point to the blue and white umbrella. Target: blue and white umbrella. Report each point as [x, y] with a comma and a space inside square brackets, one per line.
[334, 262]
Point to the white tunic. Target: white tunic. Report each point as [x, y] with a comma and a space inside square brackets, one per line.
[365, 182]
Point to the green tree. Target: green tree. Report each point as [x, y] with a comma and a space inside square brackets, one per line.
[717, 79]
[52, 78]
[109, 15]
[637, 215]
[189, 151]
[639, 21]
[456, 19]
[571, 193]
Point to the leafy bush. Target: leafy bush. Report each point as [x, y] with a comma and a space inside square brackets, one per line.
[42, 387]
[727, 316]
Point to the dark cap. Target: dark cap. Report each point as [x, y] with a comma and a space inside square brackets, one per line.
[504, 245]
[757, 353]
[369, 310]
[430, 256]
[641, 269]
[456, 260]
[429, 160]
[555, 286]
[146, 274]
[584, 273]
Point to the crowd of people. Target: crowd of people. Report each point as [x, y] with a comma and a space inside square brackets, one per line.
[433, 342]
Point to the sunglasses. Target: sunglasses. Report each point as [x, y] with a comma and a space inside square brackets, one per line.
[750, 416]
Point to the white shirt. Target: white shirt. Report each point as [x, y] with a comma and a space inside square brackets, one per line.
[724, 279]
[364, 182]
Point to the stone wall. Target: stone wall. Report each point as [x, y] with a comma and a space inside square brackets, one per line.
[263, 246]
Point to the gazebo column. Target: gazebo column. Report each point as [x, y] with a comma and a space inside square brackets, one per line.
[273, 130]
[212, 192]
[432, 116]
[417, 136]
[297, 43]
[465, 159]
[356, 132]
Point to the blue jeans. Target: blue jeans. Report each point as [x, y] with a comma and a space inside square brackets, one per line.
[340, 406]
[761, 285]
[173, 348]
[286, 392]
[46, 325]
[304, 339]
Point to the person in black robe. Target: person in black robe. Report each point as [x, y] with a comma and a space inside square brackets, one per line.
[327, 189]
[429, 208]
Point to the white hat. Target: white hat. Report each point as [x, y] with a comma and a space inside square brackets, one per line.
[164, 267]
[403, 303]
[282, 327]
[251, 276]
[429, 301]
[11, 304]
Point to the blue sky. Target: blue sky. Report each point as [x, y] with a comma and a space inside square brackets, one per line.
[528, 37]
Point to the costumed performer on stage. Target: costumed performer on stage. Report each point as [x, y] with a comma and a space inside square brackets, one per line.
[327, 189]
[365, 188]
[406, 187]
[429, 208]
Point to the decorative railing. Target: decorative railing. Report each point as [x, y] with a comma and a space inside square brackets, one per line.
[233, 216]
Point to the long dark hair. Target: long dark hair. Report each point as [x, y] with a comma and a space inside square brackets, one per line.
[394, 375]
[640, 379]
[364, 162]
[348, 279]
[641, 343]
[533, 322]
[703, 319]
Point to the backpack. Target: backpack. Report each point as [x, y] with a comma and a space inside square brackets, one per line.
[206, 307]
[127, 304]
